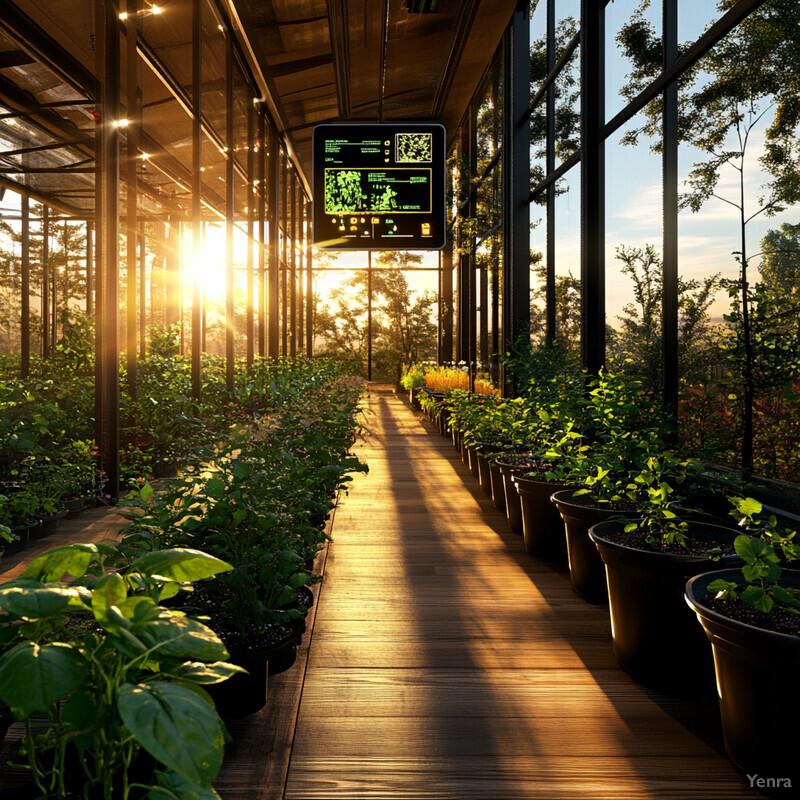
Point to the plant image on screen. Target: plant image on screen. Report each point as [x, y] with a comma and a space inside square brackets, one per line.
[343, 192]
[414, 147]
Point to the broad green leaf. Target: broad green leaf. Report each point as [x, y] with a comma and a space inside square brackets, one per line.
[109, 591]
[748, 547]
[180, 564]
[215, 488]
[748, 506]
[146, 492]
[722, 587]
[33, 677]
[176, 726]
[44, 601]
[783, 595]
[217, 672]
[172, 786]
[182, 637]
[51, 566]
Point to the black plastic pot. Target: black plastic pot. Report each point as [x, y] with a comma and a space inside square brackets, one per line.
[242, 695]
[498, 489]
[23, 532]
[586, 570]
[656, 638]
[756, 671]
[542, 528]
[513, 506]
[484, 470]
[47, 525]
[74, 506]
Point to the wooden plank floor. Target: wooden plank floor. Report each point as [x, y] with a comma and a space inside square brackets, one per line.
[446, 663]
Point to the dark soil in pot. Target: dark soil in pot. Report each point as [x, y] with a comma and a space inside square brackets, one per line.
[656, 637]
[586, 569]
[542, 527]
[756, 671]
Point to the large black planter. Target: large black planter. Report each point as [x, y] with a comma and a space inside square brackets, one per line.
[513, 505]
[484, 469]
[542, 528]
[756, 672]
[498, 489]
[472, 456]
[586, 570]
[242, 695]
[47, 525]
[656, 638]
[17, 546]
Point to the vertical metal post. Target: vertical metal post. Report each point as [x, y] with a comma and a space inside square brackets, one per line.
[172, 273]
[107, 161]
[131, 194]
[670, 364]
[293, 269]
[53, 302]
[439, 308]
[45, 282]
[472, 282]
[89, 267]
[262, 252]
[198, 306]
[550, 165]
[273, 187]
[463, 257]
[516, 181]
[251, 202]
[301, 256]
[284, 216]
[593, 333]
[25, 320]
[369, 315]
[446, 303]
[203, 314]
[309, 285]
[142, 292]
[230, 211]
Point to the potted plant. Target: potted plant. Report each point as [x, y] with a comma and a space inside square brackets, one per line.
[116, 674]
[751, 617]
[647, 562]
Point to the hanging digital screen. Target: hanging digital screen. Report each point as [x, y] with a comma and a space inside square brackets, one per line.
[379, 187]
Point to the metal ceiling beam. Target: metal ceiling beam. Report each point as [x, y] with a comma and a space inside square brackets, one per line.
[46, 50]
[340, 47]
[463, 25]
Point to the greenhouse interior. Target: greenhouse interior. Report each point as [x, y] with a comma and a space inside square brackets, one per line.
[307, 305]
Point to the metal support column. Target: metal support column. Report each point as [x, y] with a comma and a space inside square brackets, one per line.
[45, 282]
[309, 285]
[198, 306]
[251, 202]
[293, 268]
[273, 187]
[142, 292]
[550, 166]
[472, 282]
[25, 320]
[229, 209]
[172, 273]
[131, 194]
[89, 267]
[446, 304]
[670, 210]
[516, 182]
[262, 229]
[284, 217]
[593, 333]
[107, 216]
[301, 224]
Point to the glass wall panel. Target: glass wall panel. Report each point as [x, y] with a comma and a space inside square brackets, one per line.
[634, 234]
[739, 244]
[568, 263]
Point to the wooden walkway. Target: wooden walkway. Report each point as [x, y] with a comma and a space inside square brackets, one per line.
[447, 663]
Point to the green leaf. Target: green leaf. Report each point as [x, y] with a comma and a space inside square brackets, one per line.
[146, 492]
[33, 677]
[109, 591]
[172, 786]
[36, 603]
[182, 637]
[747, 506]
[722, 588]
[748, 547]
[176, 726]
[51, 566]
[180, 564]
[215, 488]
[217, 672]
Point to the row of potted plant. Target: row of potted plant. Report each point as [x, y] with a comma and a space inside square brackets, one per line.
[133, 653]
[584, 471]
